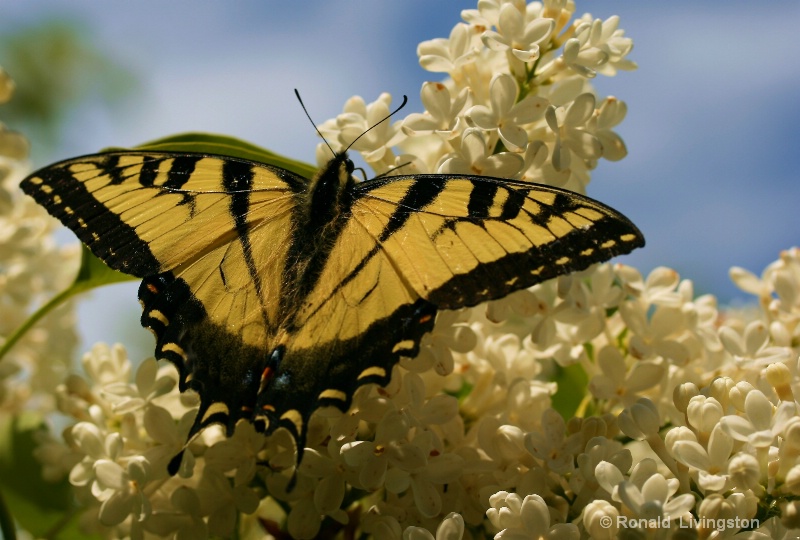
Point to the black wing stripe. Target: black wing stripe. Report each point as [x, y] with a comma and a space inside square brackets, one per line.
[148, 171]
[606, 239]
[419, 195]
[179, 173]
[237, 179]
[181, 170]
[513, 204]
[481, 199]
[104, 232]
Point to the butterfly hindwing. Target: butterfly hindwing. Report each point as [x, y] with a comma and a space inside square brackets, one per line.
[275, 295]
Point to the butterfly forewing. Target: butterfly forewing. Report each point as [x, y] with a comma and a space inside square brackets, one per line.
[478, 238]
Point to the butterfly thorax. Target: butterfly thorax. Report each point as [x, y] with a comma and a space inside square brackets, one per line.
[329, 192]
[319, 217]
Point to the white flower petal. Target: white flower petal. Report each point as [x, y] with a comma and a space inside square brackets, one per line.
[451, 528]
[82, 473]
[720, 445]
[417, 533]
[329, 494]
[563, 531]
[482, 116]
[372, 473]
[526, 55]
[436, 64]
[561, 156]
[89, 439]
[160, 425]
[759, 409]
[755, 336]
[630, 495]
[397, 480]
[304, 521]
[538, 30]
[737, 427]
[473, 145]
[530, 109]
[583, 143]
[613, 147]
[514, 137]
[731, 340]
[644, 374]
[535, 515]
[746, 280]
[679, 505]
[509, 20]
[146, 376]
[580, 111]
[494, 41]
[115, 509]
[505, 165]
[110, 474]
[692, 454]
[436, 99]
[445, 468]
[608, 476]
[503, 94]
[426, 497]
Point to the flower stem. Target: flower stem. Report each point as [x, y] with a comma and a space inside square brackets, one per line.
[34, 318]
[91, 274]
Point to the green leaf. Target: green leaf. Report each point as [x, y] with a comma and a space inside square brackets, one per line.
[95, 273]
[44, 509]
[224, 145]
[572, 387]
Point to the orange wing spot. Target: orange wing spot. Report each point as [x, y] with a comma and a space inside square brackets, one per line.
[267, 407]
[152, 288]
[247, 408]
[425, 318]
[266, 374]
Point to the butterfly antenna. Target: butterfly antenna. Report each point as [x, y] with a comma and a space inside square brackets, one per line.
[303, 105]
[376, 124]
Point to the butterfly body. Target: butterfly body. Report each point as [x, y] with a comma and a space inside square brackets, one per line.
[275, 295]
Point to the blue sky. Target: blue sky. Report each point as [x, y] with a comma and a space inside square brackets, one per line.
[712, 127]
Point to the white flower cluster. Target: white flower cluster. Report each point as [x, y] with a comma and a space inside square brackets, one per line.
[517, 103]
[117, 452]
[687, 413]
[32, 269]
[688, 419]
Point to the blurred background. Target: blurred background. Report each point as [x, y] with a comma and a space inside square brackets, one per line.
[712, 127]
